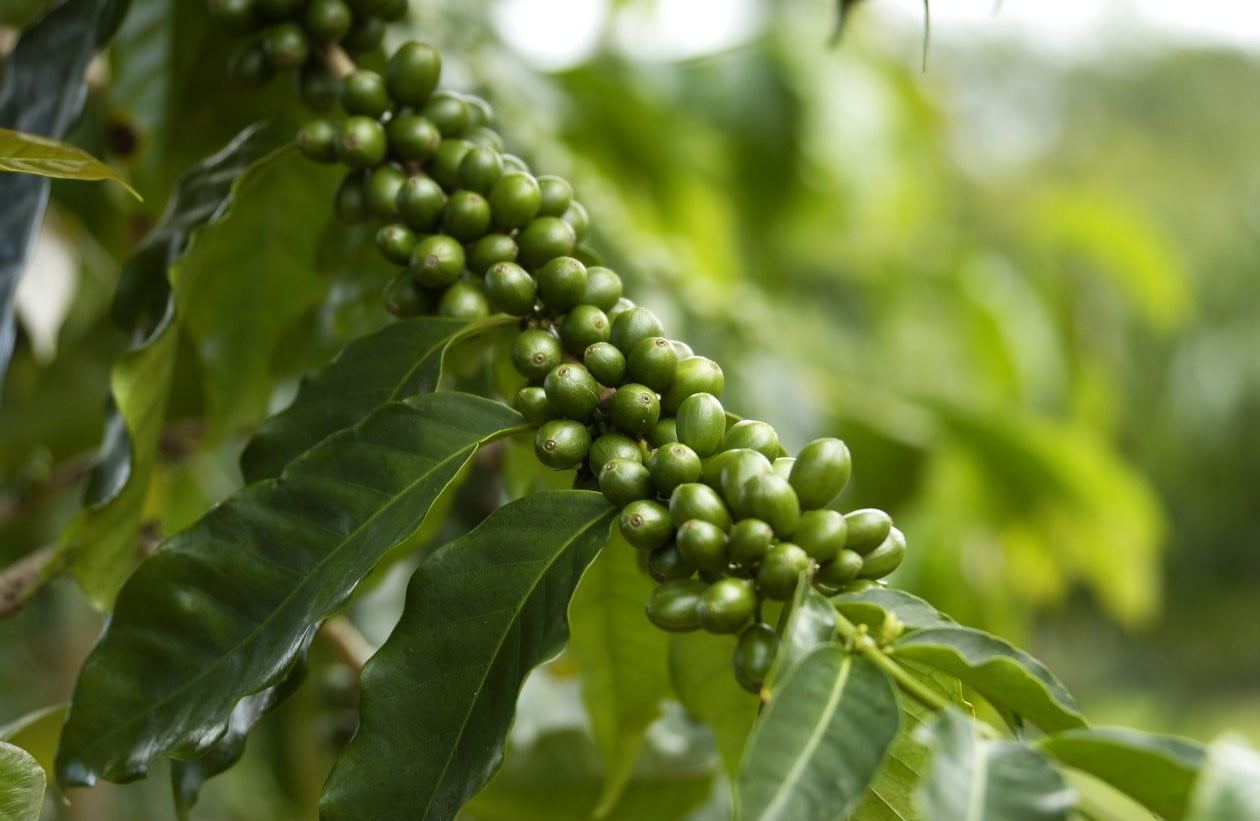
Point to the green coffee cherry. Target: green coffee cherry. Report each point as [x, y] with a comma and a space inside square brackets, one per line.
[577, 217]
[444, 166]
[513, 164]
[736, 467]
[726, 606]
[770, 498]
[684, 350]
[480, 169]
[561, 283]
[381, 192]
[489, 250]
[673, 465]
[702, 545]
[624, 481]
[779, 570]
[514, 200]
[562, 443]
[572, 391]
[317, 87]
[510, 289]
[403, 298]
[633, 325]
[821, 471]
[692, 500]
[674, 606]
[545, 238]
[463, 300]
[365, 34]
[363, 92]
[396, 242]
[605, 363]
[619, 307]
[841, 570]
[533, 405]
[362, 143]
[645, 524]
[437, 260]
[467, 216]
[448, 112]
[664, 432]
[754, 655]
[421, 203]
[783, 466]
[487, 137]
[652, 362]
[886, 558]
[702, 423]
[603, 288]
[613, 446]
[240, 16]
[582, 327]
[749, 542]
[821, 533]
[412, 73]
[749, 433]
[695, 374]
[328, 20]
[634, 409]
[535, 352]
[350, 201]
[285, 46]
[318, 141]
[666, 564]
[480, 114]
[556, 195]
[868, 528]
[412, 137]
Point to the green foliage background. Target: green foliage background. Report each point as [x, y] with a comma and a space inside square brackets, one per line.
[1024, 292]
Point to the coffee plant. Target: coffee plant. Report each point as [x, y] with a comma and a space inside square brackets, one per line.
[564, 449]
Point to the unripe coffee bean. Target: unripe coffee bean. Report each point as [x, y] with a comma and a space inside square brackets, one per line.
[490, 249]
[421, 203]
[624, 481]
[412, 73]
[695, 374]
[726, 606]
[754, 655]
[556, 197]
[480, 169]
[749, 541]
[362, 142]
[514, 200]
[737, 467]
[841, 570]
[396, 242]
[463, 300]
[702, 424]
[613, 446]
[652, 362]
[702, 545]
[771, 499]
[572, 391]
[868, 528]
[532, 403]
[467, 216]
[582, 327]
[666, 564]
[412, 137]
[363, 92]
[780, 569]
[821, 533]
[543, 239]
[633, 325]
[535, 352]
[510, 289]
[750, 433]
[886, 558]
[634, 409]
[605, 363]
[645, 524]
[693, 500]
[674, 606]
[382, 189]
[437, 260]
[821, 471]
[603, 288]
[562, 443]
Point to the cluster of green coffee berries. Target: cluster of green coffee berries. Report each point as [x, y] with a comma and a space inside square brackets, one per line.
[287, 33]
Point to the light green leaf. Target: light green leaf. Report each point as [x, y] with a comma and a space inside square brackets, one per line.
[22, 783]
[622, 660]
[46, 157]
[700, 668]
[223, 609]
[1228, 787]
[819, 742]
[1009, 678]
[37, 733]
[437, 699]
[869, 606]
[1157, 771]
[976, 779]
[809, 622]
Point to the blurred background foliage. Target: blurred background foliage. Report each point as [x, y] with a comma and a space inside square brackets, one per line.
[1025, 289]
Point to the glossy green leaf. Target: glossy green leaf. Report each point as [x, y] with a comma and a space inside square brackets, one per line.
[819, 741]
[41, 92]
[223, 608]
[703, 676]
[22, 783]
[437, 699]
[623, 661]
[245, 277]
[976, 778]
[869, 606]
[1157, 771]
[808, 623]
[1009, 678]
[45, 157]
[891, 794]
[399, 360]
[101, 540]
[1228, 786]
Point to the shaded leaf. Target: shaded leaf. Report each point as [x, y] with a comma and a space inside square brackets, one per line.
[700, 668]
[399, 360]
[22, 783]
[46, 157]
[975, 778]
[869, 606]
[437, 699]
[1157, 771]
[222, 609]
[891, 794]
[1228, 787]
[819, 741]
[622, 660]
[1009, 678]
[809, 622]
[41, 92]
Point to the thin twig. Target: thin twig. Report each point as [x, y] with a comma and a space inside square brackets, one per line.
[336, 60]
[347, 642]
[19, 580]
